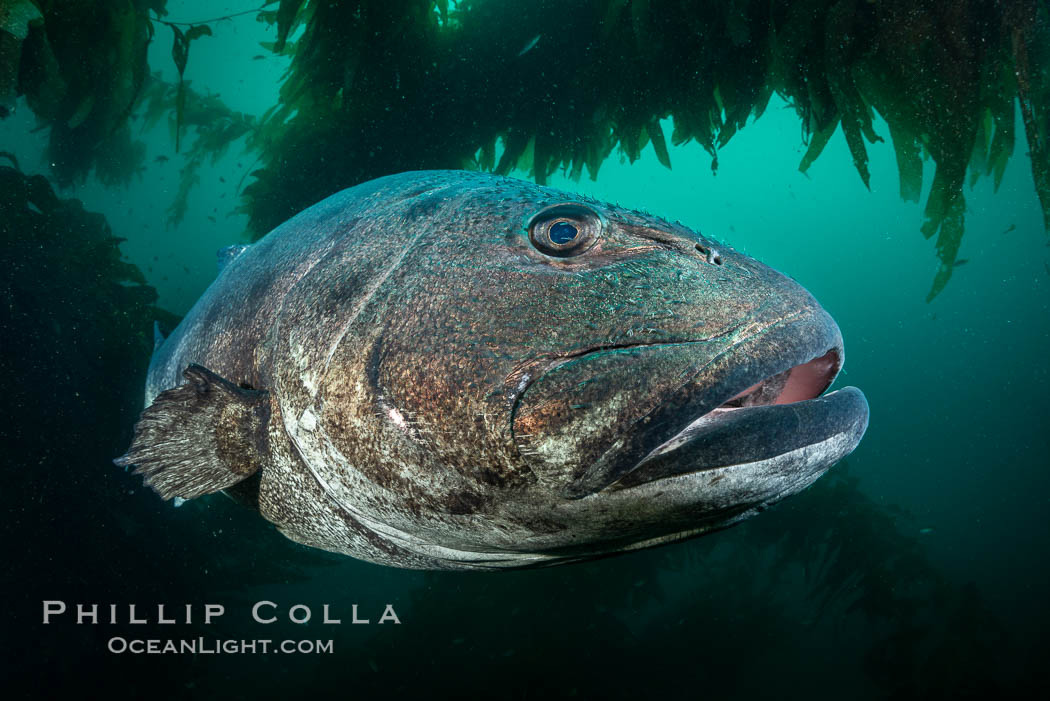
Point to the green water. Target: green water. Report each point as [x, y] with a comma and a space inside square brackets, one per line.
[948, 492]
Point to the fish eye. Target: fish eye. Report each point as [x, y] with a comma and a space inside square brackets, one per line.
[564, 230]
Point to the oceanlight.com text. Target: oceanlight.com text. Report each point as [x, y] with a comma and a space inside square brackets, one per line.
[209, 646]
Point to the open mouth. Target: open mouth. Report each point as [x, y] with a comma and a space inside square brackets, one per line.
[796, 384]
[782, 413]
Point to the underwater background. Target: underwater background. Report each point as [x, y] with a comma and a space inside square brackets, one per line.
[918, 566]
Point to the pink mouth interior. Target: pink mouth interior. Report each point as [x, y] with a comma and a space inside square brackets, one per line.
[798, 384]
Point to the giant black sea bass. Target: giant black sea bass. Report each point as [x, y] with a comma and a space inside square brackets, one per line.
[457, 370]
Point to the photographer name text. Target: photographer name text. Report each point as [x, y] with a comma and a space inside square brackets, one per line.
[264, 612]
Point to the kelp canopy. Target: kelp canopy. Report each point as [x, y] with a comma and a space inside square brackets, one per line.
[381, 86]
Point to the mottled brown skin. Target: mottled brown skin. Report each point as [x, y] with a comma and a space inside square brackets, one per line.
[443, 394]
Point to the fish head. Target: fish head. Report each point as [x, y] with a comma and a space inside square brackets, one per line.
[569, 378]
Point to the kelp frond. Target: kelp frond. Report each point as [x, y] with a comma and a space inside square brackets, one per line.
[215, 127]
[80, 66]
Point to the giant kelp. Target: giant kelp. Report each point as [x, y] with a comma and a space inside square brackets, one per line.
[80, 65]
[83, 71]
[561, 84]
[215, 127]
[544, 85]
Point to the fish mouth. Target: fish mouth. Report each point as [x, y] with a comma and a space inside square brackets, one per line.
[784, 413]
[758, 406]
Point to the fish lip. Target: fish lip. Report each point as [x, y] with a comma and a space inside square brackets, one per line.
[774, 347]
[704, 445]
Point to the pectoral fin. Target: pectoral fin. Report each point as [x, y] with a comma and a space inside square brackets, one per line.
[200, 437]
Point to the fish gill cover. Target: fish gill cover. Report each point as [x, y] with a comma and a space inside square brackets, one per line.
[549, 85]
